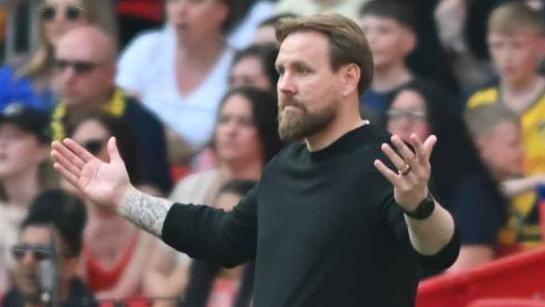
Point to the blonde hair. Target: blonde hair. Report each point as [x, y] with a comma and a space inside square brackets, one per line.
[515, 16]
[99, 13]
[484, 119]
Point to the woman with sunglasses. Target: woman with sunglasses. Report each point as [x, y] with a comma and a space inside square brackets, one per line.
[28, 81]
[245, 139]
[25, 171]
[115, 251]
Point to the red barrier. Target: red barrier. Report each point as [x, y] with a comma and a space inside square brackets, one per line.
[507, 302]
[517, 276]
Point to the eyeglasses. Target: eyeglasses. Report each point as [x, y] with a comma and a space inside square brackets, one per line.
[79, 67]
[412, 115]
[40, 252]
[71, 12]
[94, 146]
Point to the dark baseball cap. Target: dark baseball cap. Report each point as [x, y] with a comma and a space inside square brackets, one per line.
[28, 119]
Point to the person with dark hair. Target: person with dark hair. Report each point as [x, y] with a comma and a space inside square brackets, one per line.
[51, 231]
[340, 219]
[114, 266]
[245, 139]
[25, 171]
[254, 66]
[211, 285]
[390, 27]
[460, 179]
[265, 33]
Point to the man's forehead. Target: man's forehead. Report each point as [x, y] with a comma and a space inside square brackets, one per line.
[33, 234]
[303, 44]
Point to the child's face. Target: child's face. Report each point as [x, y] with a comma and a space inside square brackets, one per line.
[390, 41]
[502, 150]
[516, 55]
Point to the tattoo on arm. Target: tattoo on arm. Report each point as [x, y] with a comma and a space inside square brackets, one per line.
[145, 211]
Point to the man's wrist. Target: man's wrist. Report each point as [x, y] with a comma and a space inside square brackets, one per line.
[423, 210]
[122, 204]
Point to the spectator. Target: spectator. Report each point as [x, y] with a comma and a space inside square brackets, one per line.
[30, 83]
[24, 173]
[211, 285]
[254, 66]
[460, 179]
[516, 38]
[180, 73]
[497, 133]
[390, 29]
[52, 230]
[265, 33]
[85, 61]
[245, 139]
[114, 265]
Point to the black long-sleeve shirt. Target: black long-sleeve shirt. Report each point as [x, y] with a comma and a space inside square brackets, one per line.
[323, 227]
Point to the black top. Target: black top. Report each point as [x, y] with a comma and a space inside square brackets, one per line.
[152, 145]
[201, 279]
[323, 226]
[479, 210]
[79, 296]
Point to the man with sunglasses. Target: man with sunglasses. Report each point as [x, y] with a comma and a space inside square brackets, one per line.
[84, 81]
[52, 231]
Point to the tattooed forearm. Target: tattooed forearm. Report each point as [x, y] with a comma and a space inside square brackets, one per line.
[145, 211]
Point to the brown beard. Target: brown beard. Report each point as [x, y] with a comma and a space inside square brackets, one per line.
[296, 126]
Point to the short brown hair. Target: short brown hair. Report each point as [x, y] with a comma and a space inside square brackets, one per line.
[347, 43]
[515, 16]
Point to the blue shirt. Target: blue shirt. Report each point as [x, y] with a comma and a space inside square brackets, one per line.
[22, 90]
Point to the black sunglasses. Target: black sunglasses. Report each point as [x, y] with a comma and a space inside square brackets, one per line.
[40, 252]
[80, 67]
[94, 146]
[71, 12]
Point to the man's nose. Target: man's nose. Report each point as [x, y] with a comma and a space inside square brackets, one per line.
[286, 85]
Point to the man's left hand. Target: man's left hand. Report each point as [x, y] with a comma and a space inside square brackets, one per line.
[410, 180]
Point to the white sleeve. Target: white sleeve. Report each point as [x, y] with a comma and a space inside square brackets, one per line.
[243, 35]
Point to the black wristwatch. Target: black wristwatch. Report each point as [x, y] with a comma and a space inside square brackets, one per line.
[423, 210]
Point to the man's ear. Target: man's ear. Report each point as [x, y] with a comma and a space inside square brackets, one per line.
[350, 78]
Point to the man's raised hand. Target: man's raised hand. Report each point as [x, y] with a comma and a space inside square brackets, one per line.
[104, 183]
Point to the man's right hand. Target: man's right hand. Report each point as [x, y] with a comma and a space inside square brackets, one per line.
[104, 183]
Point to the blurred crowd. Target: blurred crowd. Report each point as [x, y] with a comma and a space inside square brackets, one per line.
[188, 88]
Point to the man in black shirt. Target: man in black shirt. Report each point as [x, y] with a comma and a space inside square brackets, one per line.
[325, 227]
